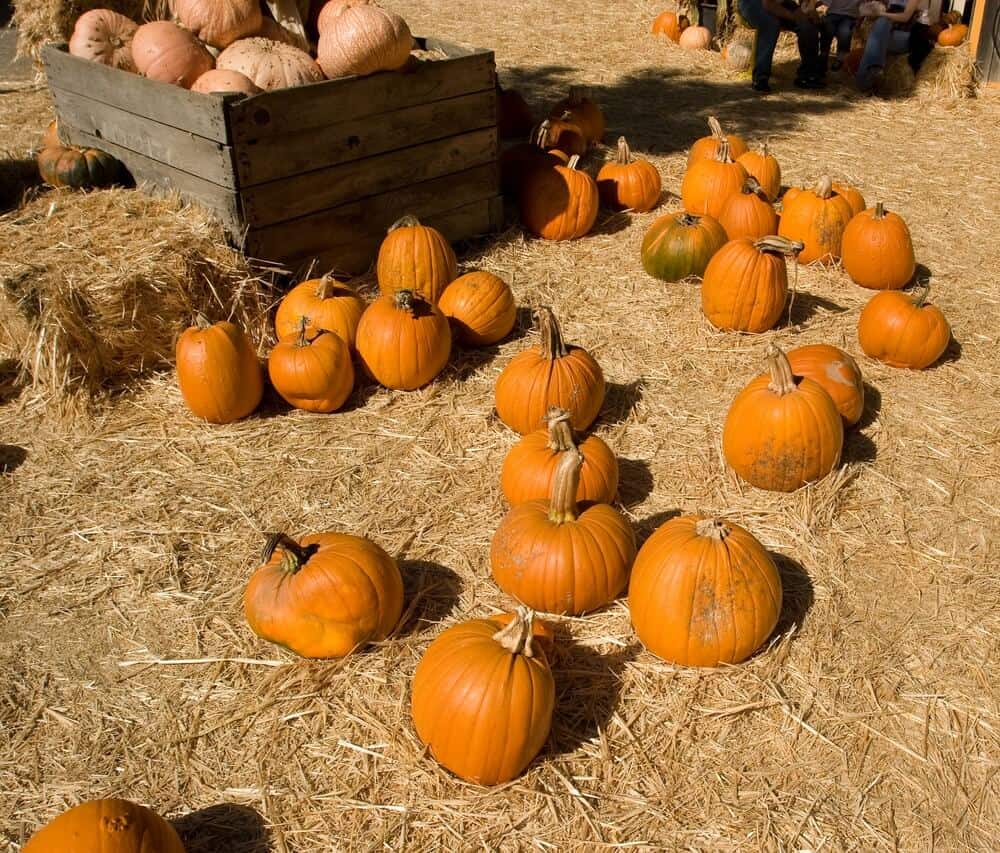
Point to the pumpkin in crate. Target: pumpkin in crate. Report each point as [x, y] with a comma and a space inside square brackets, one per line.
[324, 595]
[553, 373]
[781, 434]
[518, 161]
[817, 218]
[514, 119]
[704, 592]
[628, 184]
[314, 374]
[271, 29]
[218, 23]
[696, 38]
[558, 557]
[221, 80]
[560, 203]
[357, 37]
[748, 213]
[707, 148]
[671, 25]
[877, 250]
[328, 306]
[101, 35]
[530, 466]
[270, 64]
[763, 166]
[902, 330]
[679, 245]
[106, 826]
[403, 340]
[837, 372]
[579, 108]
[483, 696]
[417, 258]
[163, 51]
[738, 56]
[746, 284]
[953, 35]
[708, 183]
[481, 308]
[79, 168]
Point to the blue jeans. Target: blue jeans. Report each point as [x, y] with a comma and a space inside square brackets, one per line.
[768, 29]
[839, 27]
[882, 40]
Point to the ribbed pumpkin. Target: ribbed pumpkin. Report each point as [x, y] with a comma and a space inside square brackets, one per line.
[218, 372]
[877, 250]
[415, 257]
[953, 35]
[222, 80]
[670, 24]
[483, 696]
[270, 64]
[738, 55]
[695, 38]
[782, 431]
[704, 592]
[852, 195]
[765, 168]
[564, 134]
[514, 119]
[837, 372]
[101, 35]
[560, 203]
[218, 22]
[481, 308]
[163, 51]
[707, 148]
[530, 465]
[106, 826]
[708, 183]
[314, 374]
[583, 112]
[678, 245]
[325, 595]
[403, 340]
[816, 218]
[551, 374]
[327, 305]
[555, 557]
[746, 283]
[79, 168]
[902, 330]
[628, 184]
[362, 38]
[518, 161]
[748, 213]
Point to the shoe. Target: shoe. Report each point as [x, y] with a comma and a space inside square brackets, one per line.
[836, 64]
[873, 82]
[764, 88]
[809, 83]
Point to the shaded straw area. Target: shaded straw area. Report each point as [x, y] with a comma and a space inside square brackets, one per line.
[948, 74]
[42, 21]
[869, 722]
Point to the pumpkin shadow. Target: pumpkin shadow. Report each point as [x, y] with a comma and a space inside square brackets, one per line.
[804, 305]
[873, 405]
[648, 526]
[611, 222]
[953, 352]
[223, 828]
[10, 380]
[18, 177]
[635, 481]
[364, 389]
[797, 594]
[432, 593]
[858, 447]
[620, 400]
[11, 457]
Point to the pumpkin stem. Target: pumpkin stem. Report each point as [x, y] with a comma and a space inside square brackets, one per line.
[540, 135]
[303, 325]
[715, 128]
[516, 636]
[688, 219]
[922, 293]
[751, 186]
[624, 152]
[408, 220]
[560, 429]
[782, 378]
[323, 289]
[293, 556]
[552, 343]
[573, 162]
[824, 189]
[201, 321]
[565, 482]
[763, 148]
[879, 210]
[712, 528]
[779, 245]
[404, 300]
[722, 154]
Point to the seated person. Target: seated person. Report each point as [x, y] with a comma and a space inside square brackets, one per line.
[900, 29]
[838, 23]
[769, 18]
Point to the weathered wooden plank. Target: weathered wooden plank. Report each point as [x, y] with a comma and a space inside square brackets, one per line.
[203, 115]
[348, 98]
[305, 151]
[281, 200]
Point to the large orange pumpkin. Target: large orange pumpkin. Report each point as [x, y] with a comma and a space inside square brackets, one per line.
[837, 372]
[530, 466]
[483, 696]
[763, 166]
[106, 826]
[679, 245]
[707, 148]
[101, 35]
[314, 374]
[559, 203]
[327, 305]
[415, 257]
[163, 51]
[270, 64]
[782, 431]
[903, 331]
[816, 218]
[583, 112]
[481, 307]
[748, 213]
[704, 592]
[708, 183]
[551, 374]
[628, 184]
[218, 22]
[362, 38]
[218, 371]
[325, 595]
[556, 557]
[671, 25]
[877, 250]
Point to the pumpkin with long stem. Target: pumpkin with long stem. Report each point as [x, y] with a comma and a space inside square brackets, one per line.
[553, 373]
[903, 330]
[417, 258]
[877, 251]
[763, 166]
[106, 826]
[671, 25]
[707, 148]
[481, 307]
[583, 112]
[817, 218]
[628, 184]
[837, 372]
[563, 133]
[679, 245]
[704, 592]
[324, 595]
[558, 557]
[748, 213]
[559, 203]
[530, 466]
[708, 183]
[328, 306]
[314, 374]
[483, 696]
[782, 431]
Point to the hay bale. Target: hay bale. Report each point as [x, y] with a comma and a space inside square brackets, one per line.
[898, 80]
[948, 74]
[105, 281]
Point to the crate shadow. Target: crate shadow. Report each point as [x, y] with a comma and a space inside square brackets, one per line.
[223, 828]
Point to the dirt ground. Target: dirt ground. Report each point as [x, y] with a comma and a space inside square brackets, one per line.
[871, 720]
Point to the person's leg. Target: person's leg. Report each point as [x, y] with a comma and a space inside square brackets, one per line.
[876, 51]
[845, 32]
[827, 33]
[919, 46]
[811, 68]
[767, 28]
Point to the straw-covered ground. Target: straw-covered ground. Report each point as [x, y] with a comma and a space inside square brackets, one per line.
[869, 723]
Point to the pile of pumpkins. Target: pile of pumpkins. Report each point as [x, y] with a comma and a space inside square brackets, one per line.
[677, 28]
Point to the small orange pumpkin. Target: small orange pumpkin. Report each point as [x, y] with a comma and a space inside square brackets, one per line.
[671, 25]
[837, 372]
[314, 374]
[564, 134]
[50, 139]
[877, 250]
[481, 306]
[559, 203]
[816, 218]
[106, 826]
[417, 258]
[903, 331]
[707, 148]
[763, 166]
[79, 168]
[852, 195]
[327, 305]
[748, 213]
[708, 183]
[583, 112]
[953, 35]
[696, 38]
[628, 184]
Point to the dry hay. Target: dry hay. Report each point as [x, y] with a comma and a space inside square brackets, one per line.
[948, 74]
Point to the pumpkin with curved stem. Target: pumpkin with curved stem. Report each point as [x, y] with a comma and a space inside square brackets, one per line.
[707, 148]
[218, 22]
[902, 330]
[953, 35]
[671, 25]
[518, 161]
[325, 595]
[679, 245]
[695, 38]
[221, 80]
[748, 213]
[327, 305]
[101, 35]
[362, 38]
[782, 432]
[514, 119]
[551, 374]
[106, 826]
[218, 371]
[746, 284]
[530, 466]
[481, 307]
[560, 203]
[763, 166]
[708, 184]
[583, 112]
[704, 592]
[563, 134]
[628, 184]
[79, 168]
[877, 250]
[483, 696]
[403, 340]
[314, 374]
[555, 557]
[837, 372]
[270, 64]
[816, 218]
[417, 258]
[163, 51]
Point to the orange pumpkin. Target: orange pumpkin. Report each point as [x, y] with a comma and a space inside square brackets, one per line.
[837, 372]
[559, 203]
[481, 307]
[707, 148]
[415, 257]
[518, 161]
[748, 213]
[555, 557]
[314, 374]
[852, 195]
[903, 331]
[403, 340]
[270, 64]
[163, 51]
[325, 595]
[765, 168]
[327, 305]
[696, 38]
[218, 22]
[218, 371]
[101, 35]
[816, 218]
[877, 250]
[564, 134]
[671, 25]
[50, 138]
[359, 37]
[626, 183]
[530, 465]
[953, 35]
[550, 374]
[708, 183]
[483, 696]
[704, 592]
[583, 112]
[781, 434]
[106, 826]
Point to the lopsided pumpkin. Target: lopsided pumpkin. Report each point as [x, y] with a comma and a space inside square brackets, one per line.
[270, 64]
[837, 372]
[817, 218]
[877, 251]
[902, 330]
[103, 36]
[417, 258]
[166, 52]
[708, 183]
[481, 307]
[679, 245]
[671, 25]
[314, 374]
[579, 108]
[106, 826]
[563, 134]
[218, 23]
[559, 203]
[748, 213]
[327, 305]
[763, 166]
[361, 38]
[79, 168]
[707, 148]
[628, 184]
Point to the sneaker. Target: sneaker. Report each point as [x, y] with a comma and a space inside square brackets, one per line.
[836, 64]
[809, 83]
[873, 82]
[764, 88]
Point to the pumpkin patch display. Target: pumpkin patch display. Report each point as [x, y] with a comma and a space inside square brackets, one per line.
[417, 258]
[903, 330]
[748, 213]
[163, 51]
[326, 304]
[101, 35]
[78, 168]
[270, 64]
[704, 592]
[580, 109]
[877, 250]
[707, 148]
[106, 826]
[628, 184]
[481, 308]
[483, 696]
[314, 374]
[817, 218]
[679, 245]
[708, 183]
[670, 24]
[763, 166]
[837, 372]
[360, 38]
[324, 595]
[559, 203]
[556, 557]
[218, 23]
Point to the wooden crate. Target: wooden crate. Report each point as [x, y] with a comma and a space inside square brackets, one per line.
[314, 172]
